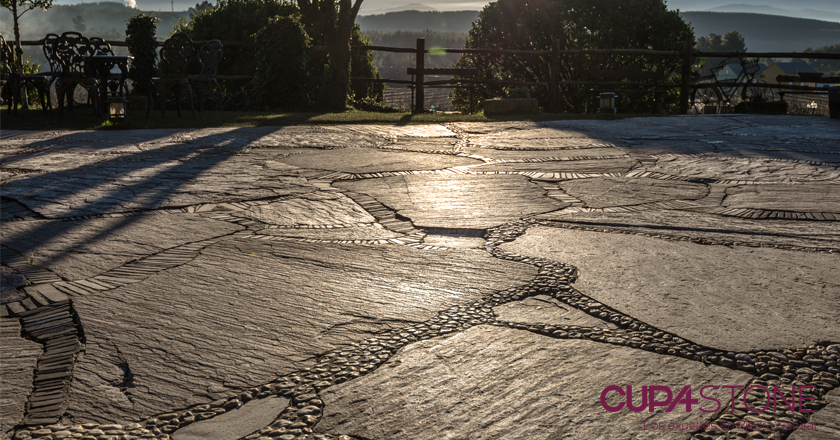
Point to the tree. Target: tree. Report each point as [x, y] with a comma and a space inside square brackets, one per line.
[79, 23]
[729, 42]
[18, 8]
[829, 67]
[333, 21]
[199, 8]
[578, 24]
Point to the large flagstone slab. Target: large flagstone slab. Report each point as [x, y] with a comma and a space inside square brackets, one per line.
[602, 192]
[317, 208]
[826, 422]
[759, 170]
[620, 165]
[544, 309]
[175, 177]
[810, 197]
[247, 311]
[84, 248]
[736, 299]
[18, 357]
[698, 225]
[457, 201]
[369, 160]
[542, 154]
[492, 383]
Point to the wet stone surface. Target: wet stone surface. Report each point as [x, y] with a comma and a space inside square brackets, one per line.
[602, 192]
[465, 280]
[457, 201]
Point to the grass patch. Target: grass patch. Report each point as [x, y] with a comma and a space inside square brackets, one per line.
[82, 119]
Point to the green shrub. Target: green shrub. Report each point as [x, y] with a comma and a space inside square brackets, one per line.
[282, 73]
[140, 36]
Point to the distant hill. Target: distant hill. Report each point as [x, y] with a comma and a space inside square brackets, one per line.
[419, 21]
[765, 33]
[799, 13]
[411, 7]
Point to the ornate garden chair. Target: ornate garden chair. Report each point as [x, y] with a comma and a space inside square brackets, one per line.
[175, 56]
[13, 81]
[209, 56]
[72, 51]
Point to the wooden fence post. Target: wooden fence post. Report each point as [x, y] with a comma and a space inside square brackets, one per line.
[420, 64]
[685, 89]
[554, 70]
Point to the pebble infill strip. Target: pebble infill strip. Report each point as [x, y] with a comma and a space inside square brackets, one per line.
[54, 326]
[816, 365]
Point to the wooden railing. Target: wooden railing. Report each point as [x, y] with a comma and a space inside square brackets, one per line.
[687, 55]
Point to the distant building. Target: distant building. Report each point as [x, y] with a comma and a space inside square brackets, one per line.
[732, 70]
[788, 69]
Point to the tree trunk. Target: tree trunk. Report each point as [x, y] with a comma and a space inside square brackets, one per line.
[337, 76]
[19, 52]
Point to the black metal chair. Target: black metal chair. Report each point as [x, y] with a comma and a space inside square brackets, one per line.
[13, 81]
[72, 51]
[175, 56]
[209, 56]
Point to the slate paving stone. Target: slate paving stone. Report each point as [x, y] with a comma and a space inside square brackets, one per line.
[153, 180]
[356, 233]
[81, 249]
[425, 144]
[10, 281]
[758, 170]
[18, 357]
[601, 192]
[544, 309]
[309, 209]
[798, 198]
[620, 165]
[698, 225]
[542, 155]
[712, 295]
[235, 424]
[457, 201]
[454, 242]
[246, 311]
[826, 421]
[367, 160]
[490, 382]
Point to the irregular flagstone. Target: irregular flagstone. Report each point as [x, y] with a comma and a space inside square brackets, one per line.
[621, 165]
[737, 299]
[288, 137]
[9, 283]
[150, 180]
[697, 225]
[358, 232]
[542, 154]
[544, 309]
[425, 144]
[457, 201]
[84, 248]
[320, 208]
[18, 357]
[537, 139]
[759, 170]
[235, 424]
[368, 160]
[454, 242]
[671, 146]
[826, 422]
[493, 127]
[781, 152]
[247, 311]
[601, 192]
[492, 383]
[798, 198]
[424, 130]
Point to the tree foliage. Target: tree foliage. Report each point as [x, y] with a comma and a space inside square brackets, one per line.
[18, 8]
[362, 66]
[282, 66]
[578, 24]
[140, 37]
[234, 20]
[830, 67]
[728, 42]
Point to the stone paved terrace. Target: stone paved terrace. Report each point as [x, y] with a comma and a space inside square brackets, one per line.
[458, 281]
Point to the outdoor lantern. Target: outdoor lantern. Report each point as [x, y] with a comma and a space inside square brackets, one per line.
[117, 108]
[606, 102]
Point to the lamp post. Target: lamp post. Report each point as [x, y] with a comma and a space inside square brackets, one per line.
[117, 108]
[606, 103]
